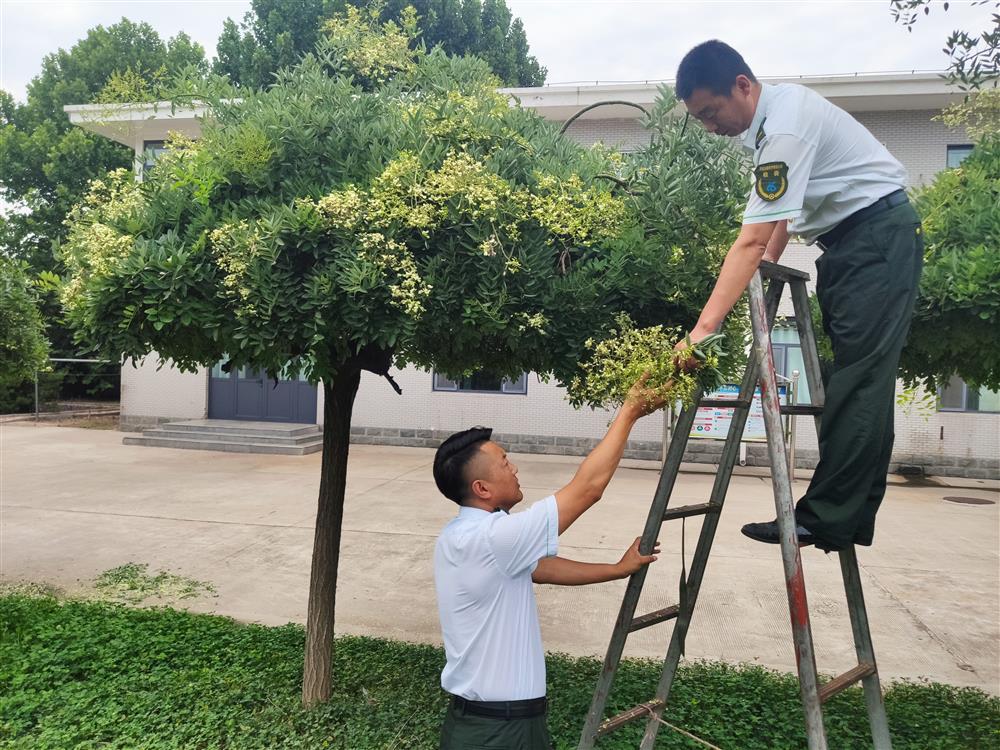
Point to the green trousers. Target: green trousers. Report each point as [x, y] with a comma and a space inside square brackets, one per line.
[867, 286]
[463, 731]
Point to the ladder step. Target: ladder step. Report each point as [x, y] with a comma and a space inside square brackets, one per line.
[807, 410]
[643, 709]
[689, 510]
[770, 270]
[724, 403]
[844, 681]
[660, 615]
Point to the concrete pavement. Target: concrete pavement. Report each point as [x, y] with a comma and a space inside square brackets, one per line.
[74, 503]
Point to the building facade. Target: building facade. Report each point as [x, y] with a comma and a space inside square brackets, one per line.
[960, 436]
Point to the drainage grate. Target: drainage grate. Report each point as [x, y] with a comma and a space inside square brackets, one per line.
[970, 500]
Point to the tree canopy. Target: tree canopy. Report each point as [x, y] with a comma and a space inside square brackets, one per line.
[379, 197]
[276, 33]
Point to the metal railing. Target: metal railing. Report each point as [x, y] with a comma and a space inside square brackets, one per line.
[91, 410]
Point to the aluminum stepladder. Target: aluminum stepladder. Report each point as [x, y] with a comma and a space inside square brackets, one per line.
[760, 367]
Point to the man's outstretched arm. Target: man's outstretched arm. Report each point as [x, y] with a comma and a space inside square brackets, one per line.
[564, 572]
[591, 479]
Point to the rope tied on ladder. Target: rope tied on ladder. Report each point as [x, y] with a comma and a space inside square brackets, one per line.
[681, 731]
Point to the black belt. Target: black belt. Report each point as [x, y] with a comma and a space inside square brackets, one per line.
[526, 709]
[897, 198]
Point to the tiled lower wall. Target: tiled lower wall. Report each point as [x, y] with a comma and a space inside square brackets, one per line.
[138, 423]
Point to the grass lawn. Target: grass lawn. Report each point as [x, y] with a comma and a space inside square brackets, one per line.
[77, 674]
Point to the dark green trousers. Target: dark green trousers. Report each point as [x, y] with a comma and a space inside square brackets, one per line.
[867, 286]
[462, 731]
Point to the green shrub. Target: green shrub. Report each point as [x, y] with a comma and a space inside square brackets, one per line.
[96, 675]
[19, 398]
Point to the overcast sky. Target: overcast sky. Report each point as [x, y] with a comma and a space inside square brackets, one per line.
[577, 40]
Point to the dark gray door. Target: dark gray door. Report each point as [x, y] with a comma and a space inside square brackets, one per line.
[250, 395]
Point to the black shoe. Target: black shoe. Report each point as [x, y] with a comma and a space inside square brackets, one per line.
[769, 534]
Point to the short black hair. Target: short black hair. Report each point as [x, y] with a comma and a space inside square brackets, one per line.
[452, 456]
[712, 65]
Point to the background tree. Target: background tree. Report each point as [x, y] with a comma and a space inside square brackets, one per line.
[46, 163]
[23, 347]
[974, 57]
[378, 206]
[276, 33]
[956, 326]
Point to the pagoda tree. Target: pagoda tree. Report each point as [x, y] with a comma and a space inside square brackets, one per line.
[378, 207]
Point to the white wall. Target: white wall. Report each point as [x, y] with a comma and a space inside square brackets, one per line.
[542, 411]
[916, 139]
[620, 134]
[150, 395]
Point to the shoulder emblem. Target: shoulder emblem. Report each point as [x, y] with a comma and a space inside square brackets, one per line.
[761, 135]
[772, 180]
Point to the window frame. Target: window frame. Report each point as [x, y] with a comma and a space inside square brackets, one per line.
[965, 408]
[780, 351]
[507, 387]
[158, 147]
[957, 148]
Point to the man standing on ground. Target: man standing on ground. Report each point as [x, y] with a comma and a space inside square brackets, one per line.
[820, 174]
[485, 563]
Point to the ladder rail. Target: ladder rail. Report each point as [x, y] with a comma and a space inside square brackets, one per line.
[798, 606]
[699, 564]
[664, 488]
[877, 717]
[808, 347]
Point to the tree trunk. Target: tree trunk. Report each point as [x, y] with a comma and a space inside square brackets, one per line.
[317, 677]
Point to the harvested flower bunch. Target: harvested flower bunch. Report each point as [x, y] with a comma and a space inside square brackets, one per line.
[618, 361]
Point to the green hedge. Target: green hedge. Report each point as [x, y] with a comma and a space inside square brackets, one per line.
[94, 675]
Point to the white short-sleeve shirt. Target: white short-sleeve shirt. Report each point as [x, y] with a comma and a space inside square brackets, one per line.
[482, 572]
[814, 164]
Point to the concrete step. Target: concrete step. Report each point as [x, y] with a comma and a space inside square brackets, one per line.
[163, 433]
[234, 427]
[227, 447]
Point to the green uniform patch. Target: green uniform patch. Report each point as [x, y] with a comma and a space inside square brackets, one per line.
[772, 180]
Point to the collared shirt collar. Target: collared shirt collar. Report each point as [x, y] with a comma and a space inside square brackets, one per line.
[467, 511]
[749, 137]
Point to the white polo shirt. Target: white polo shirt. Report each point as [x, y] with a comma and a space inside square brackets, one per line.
[482, 572]
[813, 163]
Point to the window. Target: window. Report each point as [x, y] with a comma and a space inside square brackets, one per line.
[249, 373]
[482, 381]
[151, 151]
[957, 154]
[788, 358]
[957, 396]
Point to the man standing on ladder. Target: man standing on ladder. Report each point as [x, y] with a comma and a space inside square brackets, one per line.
[820, 174]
